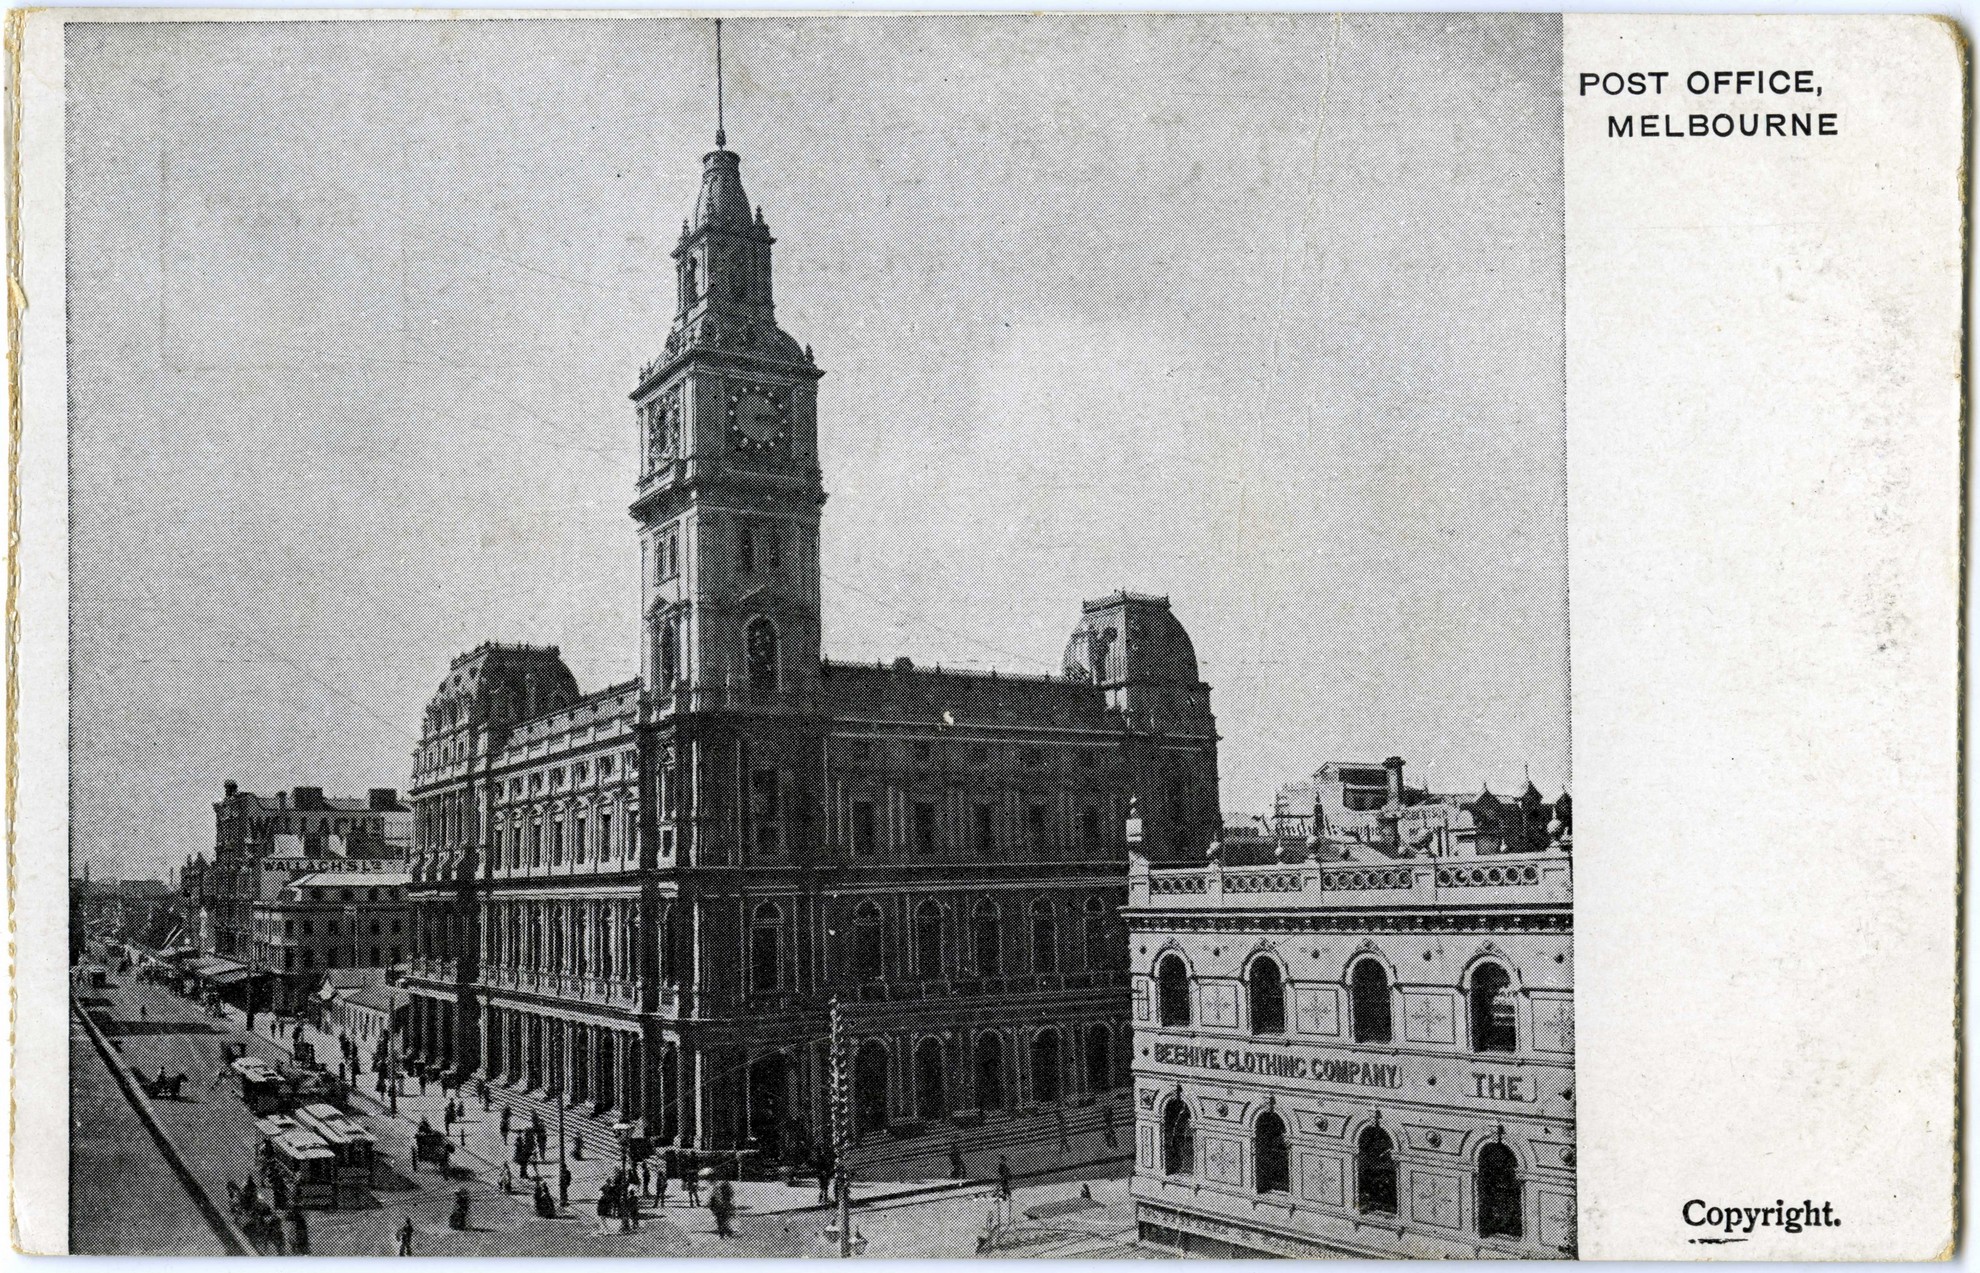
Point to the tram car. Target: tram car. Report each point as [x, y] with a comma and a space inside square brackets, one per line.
[263, 1088]
[357, 1162]
[306, 1165]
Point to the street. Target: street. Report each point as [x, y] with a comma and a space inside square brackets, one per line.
[126, 1197]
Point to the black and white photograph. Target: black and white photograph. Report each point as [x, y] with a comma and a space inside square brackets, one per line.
[815, 636]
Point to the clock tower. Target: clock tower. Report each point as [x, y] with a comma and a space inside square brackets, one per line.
[727, 506]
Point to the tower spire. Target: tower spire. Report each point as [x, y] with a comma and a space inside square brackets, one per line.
[721, 137]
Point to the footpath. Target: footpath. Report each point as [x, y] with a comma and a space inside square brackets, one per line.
[152, 1028]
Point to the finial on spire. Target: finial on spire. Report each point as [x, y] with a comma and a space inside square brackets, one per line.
[721, 137]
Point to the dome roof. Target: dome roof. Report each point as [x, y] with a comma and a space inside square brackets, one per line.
[1126, 637]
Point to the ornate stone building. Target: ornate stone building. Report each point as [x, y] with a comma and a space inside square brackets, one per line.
[1367, 1057]
[645, 898]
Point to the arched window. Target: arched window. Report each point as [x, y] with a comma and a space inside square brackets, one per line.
[930, 1098]
[1178, 1140]
[1499, 1210]
[1266, 989]
[989, 932]
[1370, 1013]
[580, 948]
[1375, 1172]
[1171, 991]
[1093, 933]
[870, 1087]
[1271, 1155]
[1044, 938]
[670, 653]
[1099, 1059]
[1047, 1056]
[928, 939]
[608, 963]
[869, 936]
[1494, 1023]
[760, 643]
[989, 1072]
[766, 948]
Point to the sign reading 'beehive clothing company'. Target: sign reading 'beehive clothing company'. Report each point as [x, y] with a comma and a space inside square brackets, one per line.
[1278, 1065]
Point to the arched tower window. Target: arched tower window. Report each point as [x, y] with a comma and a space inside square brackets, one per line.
[1172, 991]
[1266, 989]
[1271, 1156]
[1499, 1210]
[1044, 938]
[670, 653]
[1494, 1021]
[760, 645]
[869, 938]
[1178, 1139]
[1370, 1012]
[1375, 1173]
[766, 948]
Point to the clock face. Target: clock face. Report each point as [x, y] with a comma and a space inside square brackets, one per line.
[760, 420]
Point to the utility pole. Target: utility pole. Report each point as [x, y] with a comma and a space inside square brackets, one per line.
[841, 1117]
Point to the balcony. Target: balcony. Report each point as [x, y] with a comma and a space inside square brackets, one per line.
[1526, 879]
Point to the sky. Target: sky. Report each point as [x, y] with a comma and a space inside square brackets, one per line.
[1261, 313]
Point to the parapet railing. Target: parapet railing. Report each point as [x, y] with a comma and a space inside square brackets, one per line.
[1522, 877]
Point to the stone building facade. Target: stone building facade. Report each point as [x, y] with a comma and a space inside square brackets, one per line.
[327, 920]
[262, 842]
[645, 898]
[1360, 1058]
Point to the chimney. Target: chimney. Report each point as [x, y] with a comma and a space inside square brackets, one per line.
[231, 787]
[1394, 765]
[384, 798]
[281, 800]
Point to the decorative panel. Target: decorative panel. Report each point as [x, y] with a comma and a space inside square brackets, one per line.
[1557, 1221]
[1429, 1018]
[1145, 1138]
[1433, 1199]
[1317, 1010]
[1223, 1160]
[1553, 1025]
[1140, 1000]
[1219, 1004]
[1320, 1177]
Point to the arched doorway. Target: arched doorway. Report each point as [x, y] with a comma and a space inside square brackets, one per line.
[1046, 1054]
[1178, 1140]
[1099, 1059]
[1499, 1210]
[989, 1072]
[930, 1096]
[1271, 1155]
[870, 1088]
[768, 1084]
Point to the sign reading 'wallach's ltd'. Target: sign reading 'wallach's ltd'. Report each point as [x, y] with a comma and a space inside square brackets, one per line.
[1278, 1065]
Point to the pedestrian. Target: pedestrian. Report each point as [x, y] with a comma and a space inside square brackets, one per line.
[1107, 1127]
[299, 1232]
[458, 1221]
[143, 1012]
[536, 1129]
[660, 1188]
[508, 1180]
[523, 1146]
[721, 1204]
[690, 1179]
[273, 1228]
[956, 1170]
[505, 1122]
[563, 1184]
[577, 1147]
[824, 1181]
[405, 1236]
[1059, 1119]
[447, 1115]
[481, 1090]
[1003, 1178]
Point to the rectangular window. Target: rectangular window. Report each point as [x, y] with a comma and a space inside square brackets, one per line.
[288, 961]
[1035, 825]
[309, 959]
[395, 928]
[983, 837]
[578, 845]
[374, 956]
[604, 834]
[1089, 828]
[336, 930]
[536, 844]
[863, 829]
[556, 841]
[924, 827]
[309, 928]
[673, 556]
[288, 928]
